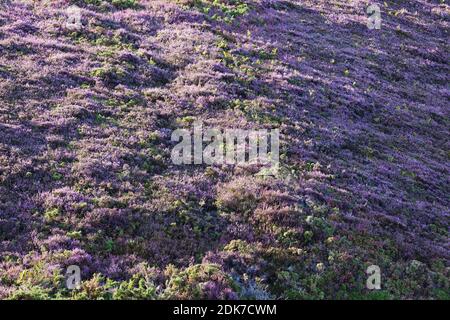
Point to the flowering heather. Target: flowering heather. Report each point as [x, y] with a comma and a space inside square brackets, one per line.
[86, 178]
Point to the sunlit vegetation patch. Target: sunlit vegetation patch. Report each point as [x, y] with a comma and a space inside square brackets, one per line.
[219, 10]
[86, 177]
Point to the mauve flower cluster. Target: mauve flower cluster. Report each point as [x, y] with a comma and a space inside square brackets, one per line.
[86, 177]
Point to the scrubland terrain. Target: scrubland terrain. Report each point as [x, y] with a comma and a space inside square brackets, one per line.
[86, 177]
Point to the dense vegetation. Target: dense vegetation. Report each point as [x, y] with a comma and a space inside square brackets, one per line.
[85, 172]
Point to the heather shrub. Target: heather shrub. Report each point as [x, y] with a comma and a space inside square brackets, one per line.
[137, 288]
[40, 274]
[30, 293]
[121, 4]
[238, 246]
[320, 226]
[96, 288]
[202, 281]
[238, 196]
[125, 3]
[222, 10]
[252, 290]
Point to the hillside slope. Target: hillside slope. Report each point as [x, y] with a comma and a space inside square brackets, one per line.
[86, 177]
